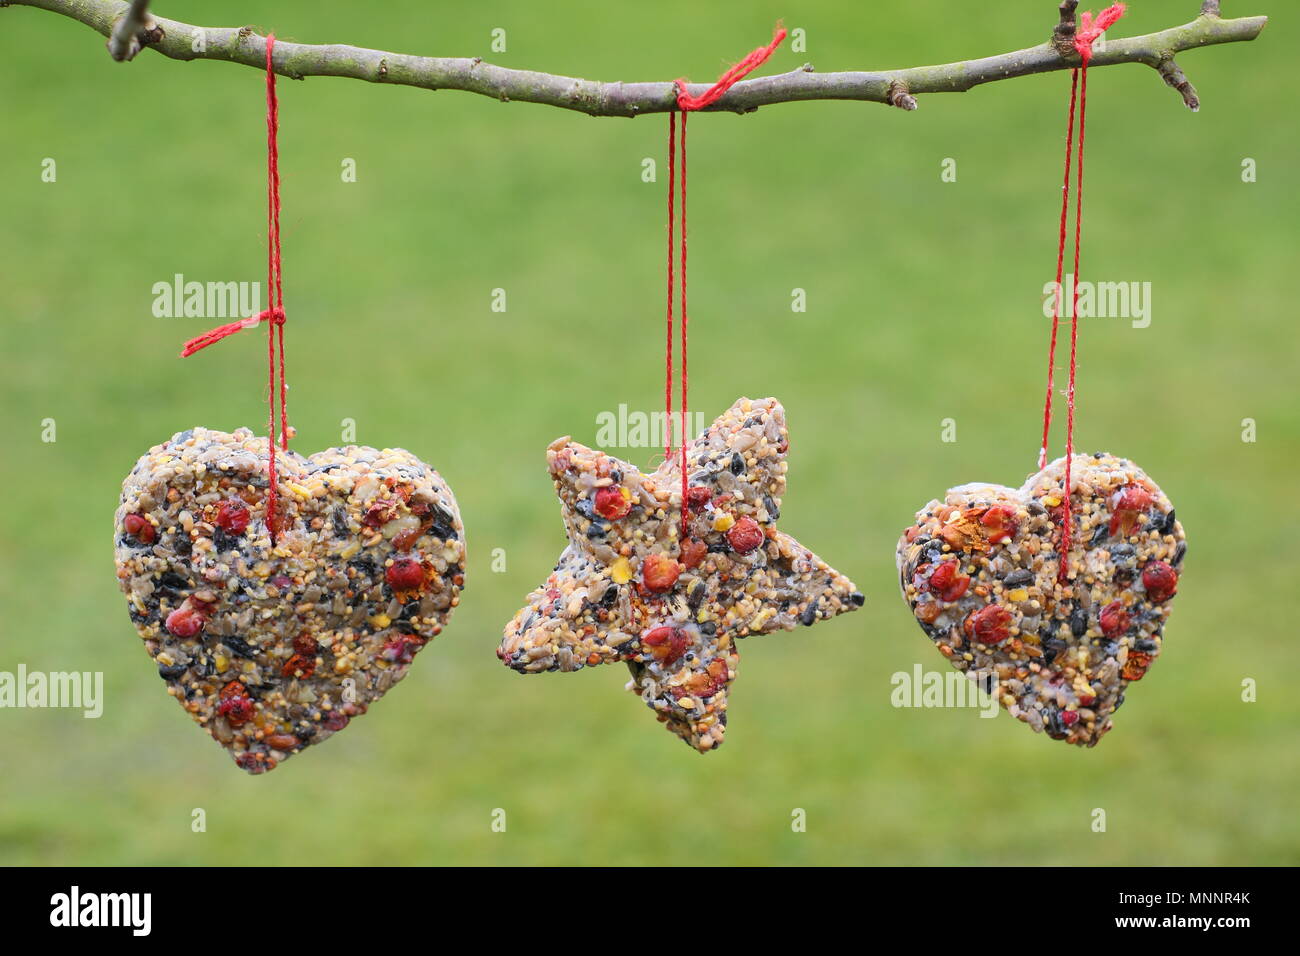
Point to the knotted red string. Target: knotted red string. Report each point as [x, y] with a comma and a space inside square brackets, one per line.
[273, 315]
[752, 61]
[1087, 33]
[687, 104]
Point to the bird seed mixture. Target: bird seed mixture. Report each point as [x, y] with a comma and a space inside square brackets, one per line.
[274, 648]
[629, 588]
[979, 571]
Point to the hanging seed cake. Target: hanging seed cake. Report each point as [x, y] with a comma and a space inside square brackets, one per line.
[274, 648]
[980, 573]
[629, 588]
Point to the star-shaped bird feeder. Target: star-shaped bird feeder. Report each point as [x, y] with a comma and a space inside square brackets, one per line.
[630, 588]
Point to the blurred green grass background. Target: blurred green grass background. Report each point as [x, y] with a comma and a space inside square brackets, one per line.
[923, 304]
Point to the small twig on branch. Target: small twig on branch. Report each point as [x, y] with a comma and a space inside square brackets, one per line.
[1178, 80]
[183, 41]
[1063, 34]
[900, 97]
[132, 31]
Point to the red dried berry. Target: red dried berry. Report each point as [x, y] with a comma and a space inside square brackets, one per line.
[990, 625]
[299, 666]
[693, 552]
[956, 589]
[667, 644]
[1069, 717]
[406, 574]
[1087, 700]
[943, 575]
[305, 644]
[659, 572]
[1135, 667]
[140, 528]
[232, 516]
[612, 502]
[401, 649]
[745, 535]
[697, 496]
[1114, 619]
[236, 706]
[947, 582]
[186, 620]
[1126, 504]
[380, 513]
[1000, 522]
[336, 721]
[1160, 581]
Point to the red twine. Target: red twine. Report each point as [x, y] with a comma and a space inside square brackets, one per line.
[686, 104]
[1085, 36]
[273, 315]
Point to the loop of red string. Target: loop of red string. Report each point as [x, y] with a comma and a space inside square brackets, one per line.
[677, 240]
[273, 315]
[1087, 33]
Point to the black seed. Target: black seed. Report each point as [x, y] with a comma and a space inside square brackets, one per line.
[1018, 577]
[1034, 508]
[809, 614]
[1100, 535]
[237, 646]
[222, 541]
[584, 507]
[339, 518]
[737, 464]
[181, 544]
[1146, 645]
[1167, 527]
[709, 627]
[1051, 647]
[444, 525]
[171, 671]
[857, 599]
[772, 510]
[1180, 553]
[695, 596]
[599, 528]
[365, 565]
[1078, 622]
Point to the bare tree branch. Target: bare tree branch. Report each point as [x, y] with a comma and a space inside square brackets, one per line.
[183, 41]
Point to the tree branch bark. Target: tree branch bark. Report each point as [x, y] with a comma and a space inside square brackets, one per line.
[183, 41]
